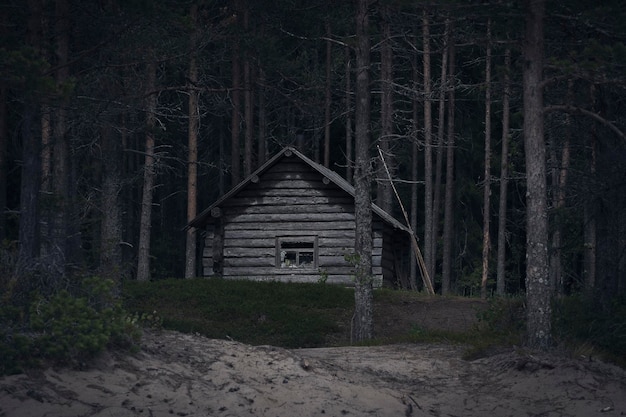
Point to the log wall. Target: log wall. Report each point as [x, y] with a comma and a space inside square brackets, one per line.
[289, 200]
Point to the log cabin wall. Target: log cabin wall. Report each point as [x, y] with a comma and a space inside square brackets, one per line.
[290, 211]
[293, 220]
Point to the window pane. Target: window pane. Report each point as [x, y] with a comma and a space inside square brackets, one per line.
[306, 259]
[296, 245]
[289, 259]
[296, 252]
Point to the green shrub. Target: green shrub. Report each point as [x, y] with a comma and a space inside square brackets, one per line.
[505, 317]
[502, 323]
[275, 313]
[65, 327]
[585, 320]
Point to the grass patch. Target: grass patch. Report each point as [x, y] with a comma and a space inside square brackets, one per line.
[257, 313]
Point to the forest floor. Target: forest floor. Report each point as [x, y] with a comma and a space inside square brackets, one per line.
[190, 375]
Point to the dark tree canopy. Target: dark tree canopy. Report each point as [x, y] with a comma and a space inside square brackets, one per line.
[96, 94]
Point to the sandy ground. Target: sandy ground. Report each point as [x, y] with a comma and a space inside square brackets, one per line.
[187, 375]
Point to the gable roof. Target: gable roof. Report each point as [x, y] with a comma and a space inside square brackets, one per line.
[201, 219]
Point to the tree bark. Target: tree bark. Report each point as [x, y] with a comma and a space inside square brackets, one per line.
[487, 169]
[327, 95]
[111, 225]
[414, 166]
[58, 245]
[363, 291]
[428, 151]
[589, 213]
[248, 103]
[28, 236]
[538, 292]
[4, 138]
[504, 177]
[149, 174]
[263, 149]
[559, 180]
[441, 128]
[235, 154]
[384, 191]
[448, 215]
[192, 157]
[348, 121]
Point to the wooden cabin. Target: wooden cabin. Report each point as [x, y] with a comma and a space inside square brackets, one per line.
[293, 220]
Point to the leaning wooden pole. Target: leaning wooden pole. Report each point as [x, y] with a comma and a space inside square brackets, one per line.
[418, 253]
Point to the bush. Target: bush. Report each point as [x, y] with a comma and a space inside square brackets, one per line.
[64, 327]
[275, 313]
[505, 317]
[585, 320]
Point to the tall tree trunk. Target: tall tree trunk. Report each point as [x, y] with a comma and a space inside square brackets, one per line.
[428, 151]
[448, 209]
[487, 171]
[248, 102]
[414, 165]
[46, 192]
[263, 150]
[59, 247]
[327, 95]
[28, 237]
[384, 190]
[589, 212]
[192, 158]
[348, 122]
[4, 139]
[111, 226]
[559, 180]
[235, 155]
[441, 128]
[504, 177]
[149, 174]
[538, 291]
[363, 291]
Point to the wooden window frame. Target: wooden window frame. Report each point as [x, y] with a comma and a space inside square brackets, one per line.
[297, 245]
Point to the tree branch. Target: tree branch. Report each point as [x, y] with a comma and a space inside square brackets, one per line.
[578, 110]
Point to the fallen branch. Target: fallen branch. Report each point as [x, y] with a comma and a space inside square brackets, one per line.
[418, 253]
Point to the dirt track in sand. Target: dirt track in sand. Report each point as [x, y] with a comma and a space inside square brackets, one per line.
[189, 375]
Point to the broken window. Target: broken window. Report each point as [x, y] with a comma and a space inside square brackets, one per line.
[295, 252]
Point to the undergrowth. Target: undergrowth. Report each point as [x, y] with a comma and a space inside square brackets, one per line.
[67, 325]
[587, 326]
[258, 313]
